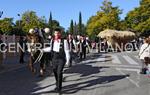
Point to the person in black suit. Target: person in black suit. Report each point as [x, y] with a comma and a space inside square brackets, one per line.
[82, 48]
[59, 47]
[21, 52]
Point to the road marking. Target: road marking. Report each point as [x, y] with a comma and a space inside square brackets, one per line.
[127, 69]
[100, 59]
[115, 59]
[128, 51]
[94, 60]
[117, 65]
[130, 60]
[137, 57]
[132, 81]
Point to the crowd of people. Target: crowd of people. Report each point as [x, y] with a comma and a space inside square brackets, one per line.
[63, 50]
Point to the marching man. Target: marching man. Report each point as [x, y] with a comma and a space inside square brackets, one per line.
[72, 50]
[59, 51]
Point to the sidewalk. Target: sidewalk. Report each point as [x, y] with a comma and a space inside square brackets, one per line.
[12, 63]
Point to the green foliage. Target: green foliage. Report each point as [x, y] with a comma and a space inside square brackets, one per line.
[106, 18]
[30, 20]
[71, 27]
[53, 24]
[50, 20]
[50, 23]
[42, 22]
[80, 24]
[139, 18]
[17, 28]
[77, 29]
[6, 25]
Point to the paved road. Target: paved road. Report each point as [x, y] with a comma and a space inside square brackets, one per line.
[99, 74]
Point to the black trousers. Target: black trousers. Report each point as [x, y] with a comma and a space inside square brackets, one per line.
[83, 54]
[58, 65]
[71, 58]
[21, 60]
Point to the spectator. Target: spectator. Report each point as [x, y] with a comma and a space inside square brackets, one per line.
[143, 53]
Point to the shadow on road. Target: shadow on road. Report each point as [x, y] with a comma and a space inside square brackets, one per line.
[100, 81]
[84, 70]
[92, 84]
[88, 79]
[22, 82]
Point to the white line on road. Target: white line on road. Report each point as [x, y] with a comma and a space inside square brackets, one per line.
[100, 59]
[127, 69]
[130, 60]
[117, 65]
[94, 60]
[115, 59]
[137, 57]
[132, 81]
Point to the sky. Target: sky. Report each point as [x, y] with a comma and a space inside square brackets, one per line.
[62, 10]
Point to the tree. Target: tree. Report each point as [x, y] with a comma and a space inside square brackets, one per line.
[80, 24]
[106, 6]
[28, 20]
[71, 27]
[17, 28]
[31, 20]
[106, 18]
[139, 18]
[42, 22]
[50, 23]
[123, 26]
[75, 29]
[6, 25]
[55, 24]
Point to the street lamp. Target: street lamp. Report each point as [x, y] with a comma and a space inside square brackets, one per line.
[19, 20]
[1, 13]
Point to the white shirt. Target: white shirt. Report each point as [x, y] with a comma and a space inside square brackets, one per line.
[144, 51]
[56, 48]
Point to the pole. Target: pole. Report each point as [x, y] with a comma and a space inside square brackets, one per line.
[19, 21]
[1, 13]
